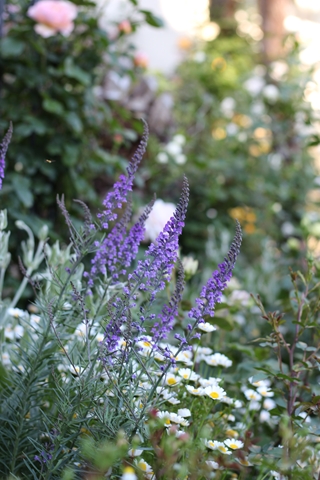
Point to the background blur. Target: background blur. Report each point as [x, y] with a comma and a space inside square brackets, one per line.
[230, 90]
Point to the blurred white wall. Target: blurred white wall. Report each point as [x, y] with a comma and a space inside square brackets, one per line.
[161, 46]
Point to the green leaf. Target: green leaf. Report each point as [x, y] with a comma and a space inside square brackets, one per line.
[152, 19]
[53, 106]
[225, 323]
[71, 155]
[74, 121]
[22, 188]
[9, 47]
[72, 71]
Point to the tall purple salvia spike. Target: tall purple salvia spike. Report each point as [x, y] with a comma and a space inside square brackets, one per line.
[118, 195]
[3, 150]
[118, 250]
[169, 312]
[152, 273]
[211, 292]
[129, 249]
[106, 257]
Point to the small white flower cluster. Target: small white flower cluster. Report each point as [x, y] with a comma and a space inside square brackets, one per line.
[173, 150]
[260, 398]
[221, 446]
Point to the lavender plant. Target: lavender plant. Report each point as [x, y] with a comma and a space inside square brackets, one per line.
[95, 353]
[102, 378]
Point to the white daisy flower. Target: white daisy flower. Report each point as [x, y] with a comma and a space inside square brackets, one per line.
[18, 331]
[178, 419]
[75, 370]
[206, 327]
[164, 416]
[201, 350]
[196, 391]
[252, 395]
[233, 444]
[128, 474]
[171, 380]
[230, 417]
[184, 357]
[135, 452]
[172, 399]
[215, 392]
[218, 359]
[278, 476]
[212, 464]
[254, 405]
[265, 391]
[269, 404]
[244, 462]
[214, 445]
[206, 382]
[184, 412]
[146, 468]
[100, 337]
[259, 383]
[264, 416]
[188, 374]
[179, 139]
[145, 343]
[81, 331]
[232, 433]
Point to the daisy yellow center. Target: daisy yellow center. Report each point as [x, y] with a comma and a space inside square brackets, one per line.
[263, 392]
[233, 445]
[252, 396]
[143, 466]
[167, 421]
[244, 462]
[146, 344]
[211, 444]
[128, 470]
[172, 381]
[185, 376]
[232, 433]
[214, 395]
[222, 449]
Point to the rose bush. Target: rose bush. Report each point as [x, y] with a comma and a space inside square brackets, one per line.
[53, 16]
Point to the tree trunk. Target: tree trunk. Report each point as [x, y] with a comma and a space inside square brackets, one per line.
[221, 9]
[273, 13]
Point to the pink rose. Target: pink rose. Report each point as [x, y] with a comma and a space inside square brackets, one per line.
[125, 27]
[141, 60]
[53, 16]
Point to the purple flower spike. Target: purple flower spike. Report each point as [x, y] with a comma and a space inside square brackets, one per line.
[169, 312]
[211, 292]
[3, 150]
[119, 249]
[152, 273]
[118, 195]
[129, 249]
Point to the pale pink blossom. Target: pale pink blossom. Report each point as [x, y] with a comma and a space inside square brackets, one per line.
[159, 216]
[53, 16]
[125, 27]
[141, 60]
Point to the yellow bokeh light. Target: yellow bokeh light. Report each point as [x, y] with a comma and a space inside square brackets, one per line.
[219, 133]
[219, 63]
[262, 133]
